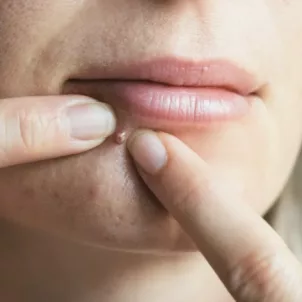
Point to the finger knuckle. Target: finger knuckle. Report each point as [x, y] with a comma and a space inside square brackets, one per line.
[32, 129]
[189, 197]
[256, 278]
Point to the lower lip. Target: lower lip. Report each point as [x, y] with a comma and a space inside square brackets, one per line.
[176, 104]
[155, 104]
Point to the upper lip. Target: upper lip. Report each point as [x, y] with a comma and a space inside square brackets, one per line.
[175, 72]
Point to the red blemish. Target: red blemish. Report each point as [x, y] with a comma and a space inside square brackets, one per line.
[120, 137]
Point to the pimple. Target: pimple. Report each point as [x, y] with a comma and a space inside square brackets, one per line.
[120, 137]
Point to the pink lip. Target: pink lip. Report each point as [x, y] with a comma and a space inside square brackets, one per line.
[172, 92]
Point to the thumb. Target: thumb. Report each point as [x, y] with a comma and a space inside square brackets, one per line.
[37, 128]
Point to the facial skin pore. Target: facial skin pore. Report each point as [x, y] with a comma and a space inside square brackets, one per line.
[97, 199]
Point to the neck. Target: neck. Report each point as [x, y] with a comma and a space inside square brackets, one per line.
[36, 266]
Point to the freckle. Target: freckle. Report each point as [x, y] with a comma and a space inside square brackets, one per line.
[120, 137]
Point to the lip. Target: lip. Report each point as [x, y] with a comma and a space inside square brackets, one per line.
[172, 92]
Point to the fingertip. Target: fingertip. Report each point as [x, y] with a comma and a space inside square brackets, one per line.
[148, 151]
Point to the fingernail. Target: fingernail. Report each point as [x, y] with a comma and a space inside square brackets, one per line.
[91, 121]
[148, 151]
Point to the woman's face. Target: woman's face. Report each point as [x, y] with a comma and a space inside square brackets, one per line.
[97, 197]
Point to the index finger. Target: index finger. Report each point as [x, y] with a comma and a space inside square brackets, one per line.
[248, 256]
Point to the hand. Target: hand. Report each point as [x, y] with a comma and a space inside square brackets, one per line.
[249, 257]
[37, 128]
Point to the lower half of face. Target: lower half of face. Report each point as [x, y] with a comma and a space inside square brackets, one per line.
[97, 197]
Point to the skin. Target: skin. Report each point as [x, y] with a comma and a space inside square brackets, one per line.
[86, 226]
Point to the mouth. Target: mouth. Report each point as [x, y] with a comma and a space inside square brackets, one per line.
[168, 92]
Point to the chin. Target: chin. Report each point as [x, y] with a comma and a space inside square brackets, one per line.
[97, 198]
[93, 199]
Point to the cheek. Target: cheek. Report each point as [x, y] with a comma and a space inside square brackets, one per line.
[32, 35]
